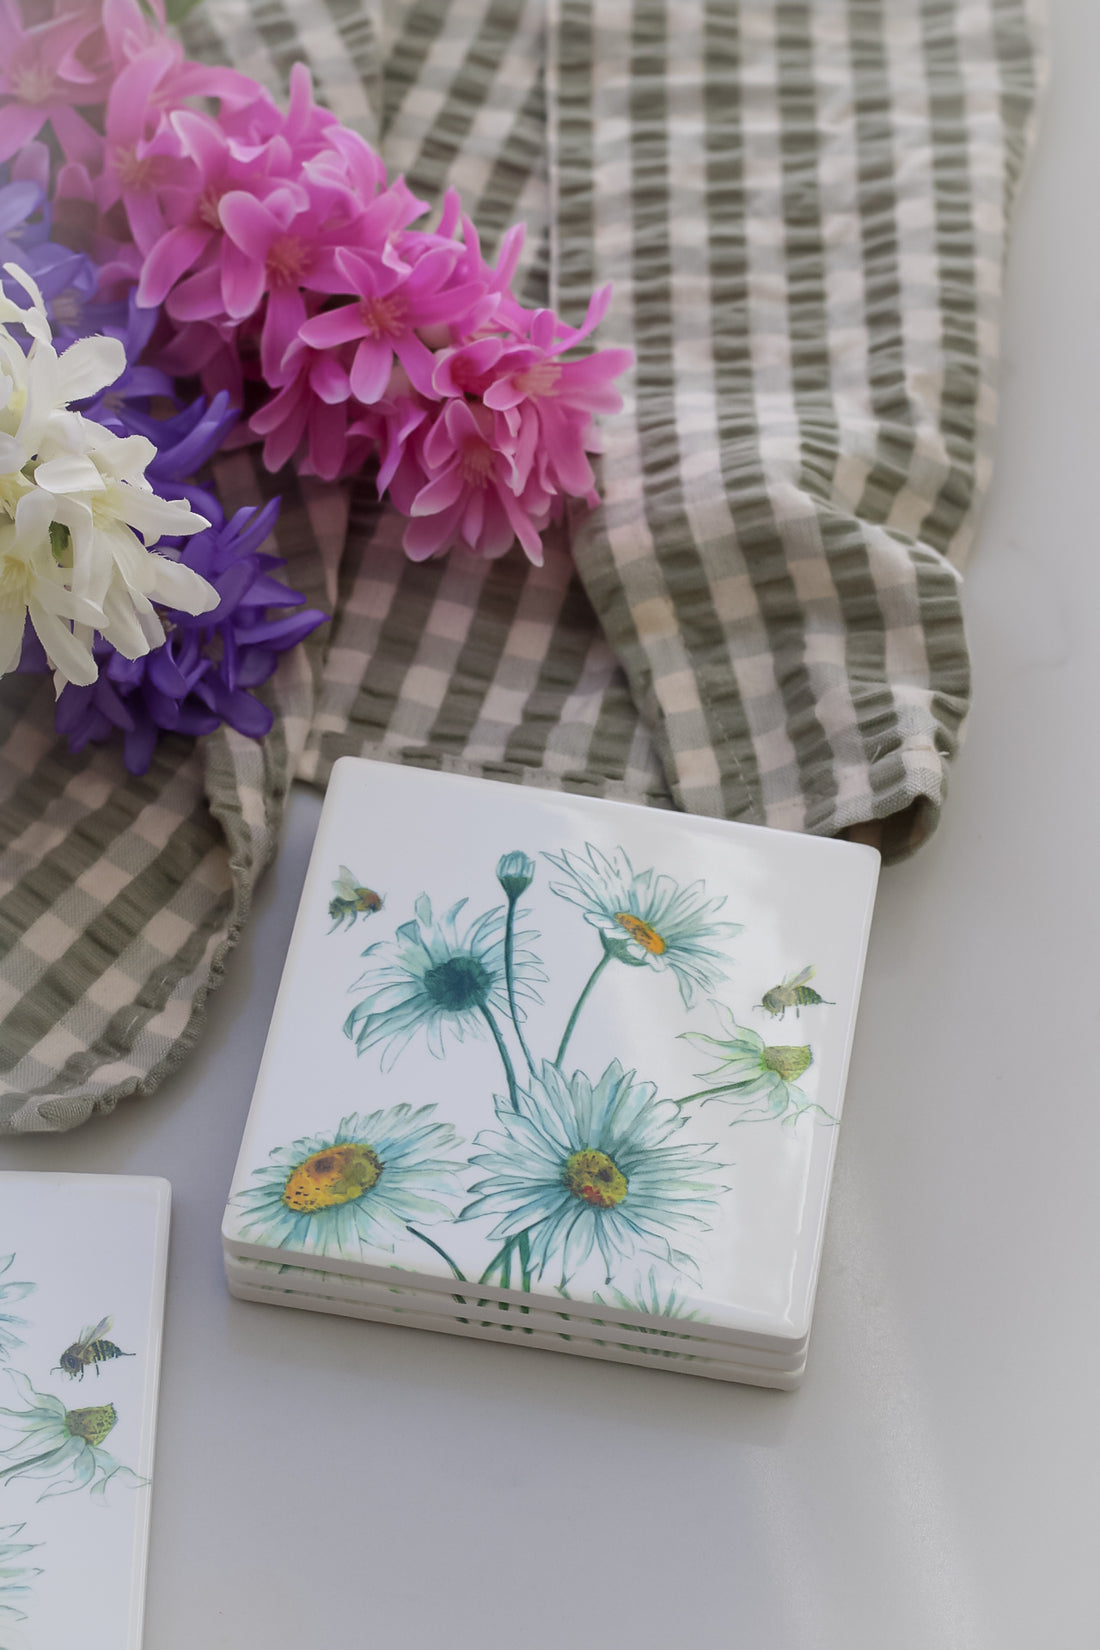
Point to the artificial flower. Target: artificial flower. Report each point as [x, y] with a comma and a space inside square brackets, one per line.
[77, 515]
[206, 671]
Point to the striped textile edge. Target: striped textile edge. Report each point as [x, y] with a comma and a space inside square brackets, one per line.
[804, 209]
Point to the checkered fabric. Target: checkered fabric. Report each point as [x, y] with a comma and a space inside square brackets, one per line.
[803, 206]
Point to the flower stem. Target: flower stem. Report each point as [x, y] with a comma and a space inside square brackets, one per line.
[509, 975]
[509, 1069]
[503, 1260]
[32, 1461]
[441, 1252]
[581, 1000]
[702, 1094]
[525, 1262]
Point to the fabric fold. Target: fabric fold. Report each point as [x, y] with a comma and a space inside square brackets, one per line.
[804, 209]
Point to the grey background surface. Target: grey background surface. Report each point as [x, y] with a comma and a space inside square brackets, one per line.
[933, 1485]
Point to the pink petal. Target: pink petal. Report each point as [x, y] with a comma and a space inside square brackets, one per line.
[202, 140]
[242, 282]
[197, 298]
[439, 494]
[426, 536]
[145, 218]
[328, 379]
[335, 326]
[370, 371]
[248, 223]
[19, 122]
[286, 311]
[418, 361]
[171, 257]
[328, 440]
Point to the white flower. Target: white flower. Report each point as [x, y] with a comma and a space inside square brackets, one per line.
[582, 1166]
[648, 920]
[77, 517]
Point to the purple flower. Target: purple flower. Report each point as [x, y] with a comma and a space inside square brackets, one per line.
[206, 670]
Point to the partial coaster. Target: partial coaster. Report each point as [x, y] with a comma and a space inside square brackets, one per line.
[82, 1270]
[578, 1055]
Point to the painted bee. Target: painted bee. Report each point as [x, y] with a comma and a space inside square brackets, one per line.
[90, 1350]
[793, 992]
[350, 901]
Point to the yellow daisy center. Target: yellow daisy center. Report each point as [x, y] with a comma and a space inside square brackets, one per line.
[646, 936]
[93, 1424]
[593, 1177]
[337, 1175]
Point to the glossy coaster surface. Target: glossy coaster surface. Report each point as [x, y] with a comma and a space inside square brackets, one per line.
[579, 1054]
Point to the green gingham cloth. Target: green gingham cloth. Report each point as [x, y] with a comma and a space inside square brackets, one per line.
[803, 207]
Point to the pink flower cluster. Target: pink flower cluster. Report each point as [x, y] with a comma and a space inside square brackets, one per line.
[285, 259]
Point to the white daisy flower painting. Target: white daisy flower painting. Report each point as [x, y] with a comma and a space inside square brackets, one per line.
[757, 1078]
[582, 1168]
[647, 919]
[61, 1447]
[355, 1189]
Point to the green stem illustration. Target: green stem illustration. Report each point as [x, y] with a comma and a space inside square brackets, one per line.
[581, 1000]
[509, 976]
[525, 1261]
[509, 1069]
[704, 1094]
[34, 1461]
[502, 1260]
[442, 1253]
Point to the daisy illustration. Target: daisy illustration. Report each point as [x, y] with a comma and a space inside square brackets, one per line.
[15, 1575]
[351, 1190]
[9, 1322]
[62, 1446]
[645, 920]
[579, 1166]
[655, 1299]
[432, 979]
[757, 1078]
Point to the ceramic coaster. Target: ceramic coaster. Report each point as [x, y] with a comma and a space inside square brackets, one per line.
[675, 1335]
[659, 1358]
[575, 1053]
[82, 1270]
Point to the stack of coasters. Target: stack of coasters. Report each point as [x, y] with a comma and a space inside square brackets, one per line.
[82, 1272]
[555, 1071]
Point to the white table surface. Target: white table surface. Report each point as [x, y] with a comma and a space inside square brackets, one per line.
[934, 1484]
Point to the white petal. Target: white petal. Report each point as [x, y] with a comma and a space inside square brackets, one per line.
[90, 365]
[153, 516]
[69, 473]
[70, 658]
[33, 319]
[11, 640]
[179, 586]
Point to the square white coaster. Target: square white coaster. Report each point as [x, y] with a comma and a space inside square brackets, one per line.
[578, 1053]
